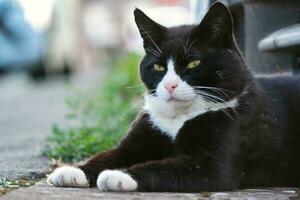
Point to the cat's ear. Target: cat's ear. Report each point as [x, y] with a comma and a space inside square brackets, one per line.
[150, 31]
[217, 25]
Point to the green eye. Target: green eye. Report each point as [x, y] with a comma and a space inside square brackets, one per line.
[193, 64]
[158, 67]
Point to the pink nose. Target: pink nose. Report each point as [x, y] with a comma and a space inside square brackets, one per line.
[171, 86]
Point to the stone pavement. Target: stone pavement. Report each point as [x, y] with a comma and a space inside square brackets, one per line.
[27, 112]
[41, 191]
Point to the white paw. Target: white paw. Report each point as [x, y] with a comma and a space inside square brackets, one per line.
[69, 177]
[115, 180]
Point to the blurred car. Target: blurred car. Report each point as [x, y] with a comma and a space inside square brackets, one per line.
[20, 46]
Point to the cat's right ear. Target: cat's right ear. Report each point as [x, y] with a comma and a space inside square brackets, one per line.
[150, 31]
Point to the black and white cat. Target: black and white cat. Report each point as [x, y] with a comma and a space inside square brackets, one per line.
[207, 124]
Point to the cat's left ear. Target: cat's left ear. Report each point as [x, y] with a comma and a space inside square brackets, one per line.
[217, 25]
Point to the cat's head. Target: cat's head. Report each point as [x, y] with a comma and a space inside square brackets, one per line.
[186, 63]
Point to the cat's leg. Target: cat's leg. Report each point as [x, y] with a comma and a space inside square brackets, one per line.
[183, 174]
[141, 144]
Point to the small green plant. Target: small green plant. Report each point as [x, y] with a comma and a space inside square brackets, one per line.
[8, 185]
[5, 183]
[104, 114]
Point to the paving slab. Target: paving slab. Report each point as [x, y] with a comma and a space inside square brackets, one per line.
[41, 191]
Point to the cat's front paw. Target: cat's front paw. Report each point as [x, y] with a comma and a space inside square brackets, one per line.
[115, 180]
[68, 177]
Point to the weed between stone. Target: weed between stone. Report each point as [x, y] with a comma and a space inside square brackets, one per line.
[7, 185]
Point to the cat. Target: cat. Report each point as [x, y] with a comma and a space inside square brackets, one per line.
[207, 125]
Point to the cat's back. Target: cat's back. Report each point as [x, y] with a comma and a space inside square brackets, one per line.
[283, 96]
[284, 89]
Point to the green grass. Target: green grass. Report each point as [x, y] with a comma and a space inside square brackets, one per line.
[104, 114]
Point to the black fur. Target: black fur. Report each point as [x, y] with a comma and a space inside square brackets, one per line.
[258, 146]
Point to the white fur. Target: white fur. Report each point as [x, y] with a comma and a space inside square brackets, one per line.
[69, 177]
[170, 115]
[115, 180]
[169, 118]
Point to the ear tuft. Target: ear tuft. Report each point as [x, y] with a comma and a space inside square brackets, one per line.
[150, 31]
[217, 24]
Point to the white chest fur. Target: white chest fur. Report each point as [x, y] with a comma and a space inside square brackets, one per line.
[171, 126]
[169, 118]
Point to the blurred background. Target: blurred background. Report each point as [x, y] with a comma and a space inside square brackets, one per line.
[74, 36]
[69, 83]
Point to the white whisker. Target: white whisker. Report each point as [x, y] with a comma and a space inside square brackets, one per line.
[135, 86]
[136, 104]
[144, 31]
[152, 51]
[206, 87]
[192, 43]
[220, 99]
[187, 43]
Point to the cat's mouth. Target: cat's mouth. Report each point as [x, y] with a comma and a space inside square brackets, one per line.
[173, 99]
